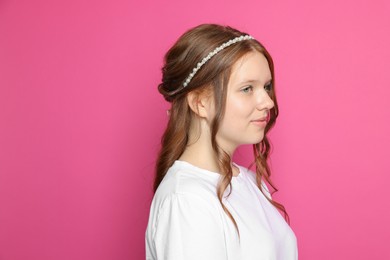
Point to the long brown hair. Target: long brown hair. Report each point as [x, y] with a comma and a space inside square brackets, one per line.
[214, 76]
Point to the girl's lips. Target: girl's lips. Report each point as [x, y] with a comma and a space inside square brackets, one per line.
[260, 119]
[260, 122]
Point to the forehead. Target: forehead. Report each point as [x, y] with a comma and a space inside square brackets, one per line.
[253, 66]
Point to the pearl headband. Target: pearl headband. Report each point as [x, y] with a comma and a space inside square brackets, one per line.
[212, 53]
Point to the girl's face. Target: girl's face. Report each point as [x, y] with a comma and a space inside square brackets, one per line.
[247, 103]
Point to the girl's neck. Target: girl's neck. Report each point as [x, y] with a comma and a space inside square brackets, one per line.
[201, 155]
[199, 151]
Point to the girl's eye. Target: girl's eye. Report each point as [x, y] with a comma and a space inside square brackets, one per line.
[268, 87]
[247, 89]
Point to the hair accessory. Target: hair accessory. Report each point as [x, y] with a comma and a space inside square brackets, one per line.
[212, 53]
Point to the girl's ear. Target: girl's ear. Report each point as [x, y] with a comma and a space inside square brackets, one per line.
[200, 104]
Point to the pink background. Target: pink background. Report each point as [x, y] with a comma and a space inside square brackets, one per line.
[81, 120]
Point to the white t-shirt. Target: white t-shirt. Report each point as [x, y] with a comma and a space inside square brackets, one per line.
[187, 221]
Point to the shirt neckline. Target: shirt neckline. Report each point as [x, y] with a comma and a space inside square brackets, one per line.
[215, 174]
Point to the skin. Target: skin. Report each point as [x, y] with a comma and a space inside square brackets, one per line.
[247, 107]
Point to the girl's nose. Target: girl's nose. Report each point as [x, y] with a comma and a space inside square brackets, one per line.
[265, 101]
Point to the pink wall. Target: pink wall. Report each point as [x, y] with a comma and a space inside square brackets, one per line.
[80, 121]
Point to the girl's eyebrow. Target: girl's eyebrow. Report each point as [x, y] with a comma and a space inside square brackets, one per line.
[254, 81]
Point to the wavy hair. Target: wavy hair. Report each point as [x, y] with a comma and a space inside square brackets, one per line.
[179, 61]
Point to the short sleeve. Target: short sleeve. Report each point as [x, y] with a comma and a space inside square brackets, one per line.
[188, 227]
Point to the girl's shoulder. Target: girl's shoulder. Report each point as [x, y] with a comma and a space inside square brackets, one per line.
[185, 180]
